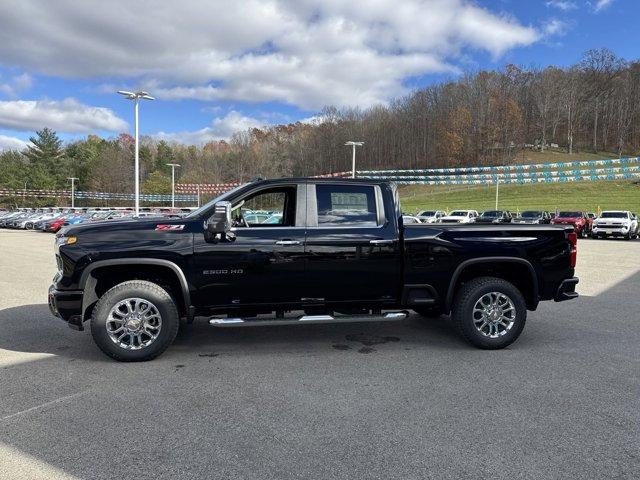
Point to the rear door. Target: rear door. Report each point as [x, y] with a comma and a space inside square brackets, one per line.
[352, 248]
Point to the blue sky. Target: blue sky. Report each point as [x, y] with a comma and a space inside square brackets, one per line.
[218, 66]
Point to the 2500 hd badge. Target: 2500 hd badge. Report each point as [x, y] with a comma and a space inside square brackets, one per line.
[331, 251]
[234, 271]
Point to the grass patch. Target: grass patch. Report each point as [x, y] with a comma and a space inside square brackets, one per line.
[587, 196]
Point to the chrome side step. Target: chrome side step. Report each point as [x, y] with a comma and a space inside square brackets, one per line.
[306, 319]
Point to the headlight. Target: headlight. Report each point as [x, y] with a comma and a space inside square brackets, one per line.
[66, 240]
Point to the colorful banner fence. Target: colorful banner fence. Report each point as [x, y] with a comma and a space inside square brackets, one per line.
[505, 168]
[31, 193]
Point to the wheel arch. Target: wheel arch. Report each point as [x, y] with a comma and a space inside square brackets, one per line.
[527, 284]
[89, 280]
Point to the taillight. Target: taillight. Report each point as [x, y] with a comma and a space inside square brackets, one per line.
[573, 254]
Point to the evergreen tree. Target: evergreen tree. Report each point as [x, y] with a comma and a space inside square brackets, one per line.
[46, 159]
[46, 148]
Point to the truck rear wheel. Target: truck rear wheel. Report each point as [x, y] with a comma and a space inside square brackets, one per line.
[135, 321]
[489, 312]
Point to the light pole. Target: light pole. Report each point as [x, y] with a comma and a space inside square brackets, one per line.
[353, 160]
[173, 182]
[497, 191]
[73, 190]
[136, 96]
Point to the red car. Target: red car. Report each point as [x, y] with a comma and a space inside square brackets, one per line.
[55, 225]
[580, 221]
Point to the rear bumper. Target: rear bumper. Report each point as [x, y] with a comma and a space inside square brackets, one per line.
[66, 305]
[567, 290]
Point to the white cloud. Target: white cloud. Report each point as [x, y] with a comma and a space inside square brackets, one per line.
[16, 85]
[555, 27]
[307, 53]
[222, 128]
[564, 5]
[67, 115]
[11, 143]
[602, 4]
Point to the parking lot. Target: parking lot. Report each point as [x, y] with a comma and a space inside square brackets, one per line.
[405, 400]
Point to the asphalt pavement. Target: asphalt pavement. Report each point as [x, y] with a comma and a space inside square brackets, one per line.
[405, 400]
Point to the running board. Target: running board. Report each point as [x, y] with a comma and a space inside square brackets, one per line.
[306, 319]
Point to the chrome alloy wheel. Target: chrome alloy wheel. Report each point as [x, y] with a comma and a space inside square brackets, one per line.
[134, 323]
[494, 314]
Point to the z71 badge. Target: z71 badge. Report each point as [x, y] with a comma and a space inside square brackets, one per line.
[169, 228]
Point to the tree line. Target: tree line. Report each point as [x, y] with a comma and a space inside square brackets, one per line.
[480, 118]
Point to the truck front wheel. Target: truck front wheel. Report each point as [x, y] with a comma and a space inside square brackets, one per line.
[135, 321]
[489, 312]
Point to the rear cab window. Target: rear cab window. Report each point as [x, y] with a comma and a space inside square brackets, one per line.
[348, 205]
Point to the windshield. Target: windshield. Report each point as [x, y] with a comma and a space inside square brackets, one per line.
[211, 203]
[531, 214]
[613, 215]
[427, 213]
[570, 214]
[491, 213]
[458, 213]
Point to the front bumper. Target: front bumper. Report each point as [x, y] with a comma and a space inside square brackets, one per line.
[67, 305]
[613, 231]
[567, 290]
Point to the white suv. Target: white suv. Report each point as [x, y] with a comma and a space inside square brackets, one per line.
[615, 223]
[431, 216]
[460, 216]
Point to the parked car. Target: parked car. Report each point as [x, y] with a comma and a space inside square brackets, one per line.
[55, 224]
[6, 219]
[75, 220]
[616, 223]
[29, 222]
[275, 219]
[494, 216]
[579, 220]
[533, 216]
[460, 216]
[431, 216]
[408, 219]
[318, 266]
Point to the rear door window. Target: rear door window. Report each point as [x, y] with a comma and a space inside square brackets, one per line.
[346, 205]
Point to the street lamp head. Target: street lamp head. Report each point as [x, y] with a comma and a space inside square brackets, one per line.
[357, 144]
[133, 95]
[172, 164]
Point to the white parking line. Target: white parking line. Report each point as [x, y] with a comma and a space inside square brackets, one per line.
[37, 407]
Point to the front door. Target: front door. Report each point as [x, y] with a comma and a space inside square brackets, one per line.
[265, 261]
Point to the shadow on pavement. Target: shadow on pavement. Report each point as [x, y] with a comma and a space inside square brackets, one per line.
[32, 329]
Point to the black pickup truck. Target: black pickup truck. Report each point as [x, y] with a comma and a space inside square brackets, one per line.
[303, 250]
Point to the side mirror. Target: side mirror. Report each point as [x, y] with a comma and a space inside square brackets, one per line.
[218, 225]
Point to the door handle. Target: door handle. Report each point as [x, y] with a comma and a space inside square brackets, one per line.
[287, 242]
[381, 241]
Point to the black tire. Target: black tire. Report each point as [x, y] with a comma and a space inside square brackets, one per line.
[156, 295]
[462, 314]
[428, 312]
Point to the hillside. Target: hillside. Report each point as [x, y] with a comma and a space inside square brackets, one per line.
[589, 196]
